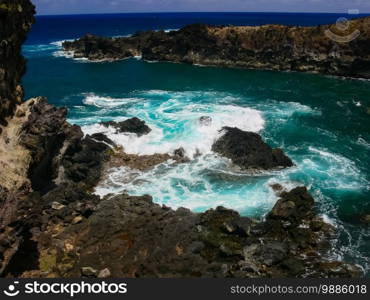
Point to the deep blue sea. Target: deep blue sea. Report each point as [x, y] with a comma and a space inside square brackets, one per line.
[321, 122]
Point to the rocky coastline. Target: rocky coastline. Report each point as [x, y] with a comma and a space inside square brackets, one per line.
[53, 225]
[338, 49]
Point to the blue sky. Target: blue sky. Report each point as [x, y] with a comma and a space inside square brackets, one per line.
[113, 6]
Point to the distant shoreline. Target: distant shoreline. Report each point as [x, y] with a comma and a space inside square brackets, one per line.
[205, 12]
[322, 49]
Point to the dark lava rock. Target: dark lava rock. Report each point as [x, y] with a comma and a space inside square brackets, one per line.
[292, 208]
[133, 125]
[143, 239]
[16, 19]
[179, 155]
[98, 48]
[54, 143]
[43, 135]
[249, 151]
[101, 137]
[271, 47]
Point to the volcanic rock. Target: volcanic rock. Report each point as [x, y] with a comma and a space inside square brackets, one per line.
[249, 151]
[326, 49]
[133, 125]
[16, 19]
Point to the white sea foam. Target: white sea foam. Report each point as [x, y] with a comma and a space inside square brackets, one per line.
[333, 170]
[208, 181]
[38, 48]
[190, 185]
[108, 102]
[328, 220]
[176, 124]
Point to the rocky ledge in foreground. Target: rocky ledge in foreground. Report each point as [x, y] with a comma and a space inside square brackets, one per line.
[124, 236]
[248, 151]
[342, 50]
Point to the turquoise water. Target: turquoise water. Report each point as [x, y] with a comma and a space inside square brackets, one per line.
[320, 122]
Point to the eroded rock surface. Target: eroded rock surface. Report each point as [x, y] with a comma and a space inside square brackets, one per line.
[133, 237]
[16, 18]
[248, 151]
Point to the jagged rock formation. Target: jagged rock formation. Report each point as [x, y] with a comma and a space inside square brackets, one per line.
[16, 18]
[133, 125]
[40, 152]
[133, 237]
[336, 49]
[248, 151]
[52, 225]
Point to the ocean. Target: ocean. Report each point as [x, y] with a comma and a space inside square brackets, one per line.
[321, 122]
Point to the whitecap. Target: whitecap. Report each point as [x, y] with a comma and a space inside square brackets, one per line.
[108, 102]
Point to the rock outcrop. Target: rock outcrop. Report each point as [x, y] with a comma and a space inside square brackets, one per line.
[248, 151]
[16, 18]
[338, 49]
[40, 152]
[133, 125]
[133, 237]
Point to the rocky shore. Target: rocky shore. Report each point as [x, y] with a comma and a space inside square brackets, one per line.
[340, 49]
[52, 225]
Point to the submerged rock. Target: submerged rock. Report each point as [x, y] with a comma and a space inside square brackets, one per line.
[205, 121]
[133, 125]
[248, 151]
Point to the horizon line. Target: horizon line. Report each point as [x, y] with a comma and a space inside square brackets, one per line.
[189, 12]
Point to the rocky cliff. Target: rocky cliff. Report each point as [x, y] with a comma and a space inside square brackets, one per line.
[52, 225]
[340, 49]
[16, 18]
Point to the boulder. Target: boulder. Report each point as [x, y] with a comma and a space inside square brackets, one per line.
[101, 137]
[133, 125]
[293, 207]
[248, 151]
